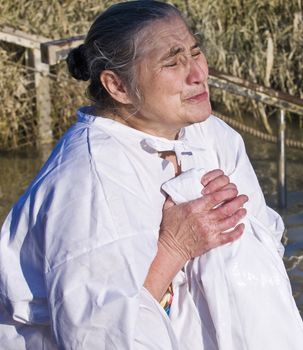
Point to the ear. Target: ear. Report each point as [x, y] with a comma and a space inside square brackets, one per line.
[114, 86]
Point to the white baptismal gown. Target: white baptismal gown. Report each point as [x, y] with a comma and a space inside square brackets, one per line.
[77, 246]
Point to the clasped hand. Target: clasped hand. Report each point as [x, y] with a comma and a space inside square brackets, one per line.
[191, 229]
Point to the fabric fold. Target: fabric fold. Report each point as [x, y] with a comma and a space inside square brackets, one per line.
[243, 285]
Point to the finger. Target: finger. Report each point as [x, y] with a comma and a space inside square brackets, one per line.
[229, 208]
[216, 184]
[228, 186]
[168, 203]
[211, 175]
[231, 185]
[212, 200]
[231, 221]
[227, 237]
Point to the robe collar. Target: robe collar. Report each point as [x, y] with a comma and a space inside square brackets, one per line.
[183, 147]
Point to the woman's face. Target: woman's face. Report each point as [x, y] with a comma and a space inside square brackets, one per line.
[172, 79]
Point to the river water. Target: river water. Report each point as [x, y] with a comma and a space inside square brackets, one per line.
[17, 170]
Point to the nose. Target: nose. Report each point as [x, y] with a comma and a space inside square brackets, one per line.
[197, 73]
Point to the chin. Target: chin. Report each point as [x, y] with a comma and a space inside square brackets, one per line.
[202, 112]
[202, 116]
[197, 119]
[206, 113]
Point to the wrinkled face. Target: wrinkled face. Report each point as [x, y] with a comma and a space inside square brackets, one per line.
[172, 78]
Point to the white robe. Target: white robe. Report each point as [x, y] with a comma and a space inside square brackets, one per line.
[76, 247]
[241, 289]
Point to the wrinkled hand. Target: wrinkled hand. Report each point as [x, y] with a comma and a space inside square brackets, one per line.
[191, 229]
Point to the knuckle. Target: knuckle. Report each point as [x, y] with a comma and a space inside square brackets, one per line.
[223, 211]
[227, 194]
[227, 209]
[215, 196]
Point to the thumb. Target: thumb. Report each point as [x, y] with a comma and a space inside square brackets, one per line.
[168, 203]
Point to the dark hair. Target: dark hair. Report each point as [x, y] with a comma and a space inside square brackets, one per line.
[111, 44]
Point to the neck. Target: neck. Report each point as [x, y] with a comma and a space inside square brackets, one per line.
[137, 123]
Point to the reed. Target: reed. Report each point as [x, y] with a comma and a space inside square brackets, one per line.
[257, 40]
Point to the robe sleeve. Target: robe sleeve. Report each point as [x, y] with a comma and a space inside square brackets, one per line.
[65, 266]
[96, 302]
[94, 276]
[246, 180]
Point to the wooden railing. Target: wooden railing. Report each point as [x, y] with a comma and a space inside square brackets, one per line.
[40, 71]
[43, 53]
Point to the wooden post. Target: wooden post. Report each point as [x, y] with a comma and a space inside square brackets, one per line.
[41, 80]
[282, 190]
[43, 99]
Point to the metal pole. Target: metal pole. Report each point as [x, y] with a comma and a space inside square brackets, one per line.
[282, 191]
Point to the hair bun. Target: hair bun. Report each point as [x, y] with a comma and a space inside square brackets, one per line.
[77, 63]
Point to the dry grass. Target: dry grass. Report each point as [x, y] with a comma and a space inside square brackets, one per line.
[257, 40]
[67, 95]
[17, 119]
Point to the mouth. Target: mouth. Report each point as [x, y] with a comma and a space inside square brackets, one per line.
[202, 96]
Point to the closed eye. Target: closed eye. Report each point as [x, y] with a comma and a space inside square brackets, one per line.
[171, 64]
[196, 54]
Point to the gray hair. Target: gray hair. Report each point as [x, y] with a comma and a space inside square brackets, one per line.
[112, 43]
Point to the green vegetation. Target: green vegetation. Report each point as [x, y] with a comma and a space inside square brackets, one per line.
[258, 40]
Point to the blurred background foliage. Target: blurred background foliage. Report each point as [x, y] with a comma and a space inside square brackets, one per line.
[257, 40]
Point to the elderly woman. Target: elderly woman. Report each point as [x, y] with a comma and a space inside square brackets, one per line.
[112, 246]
